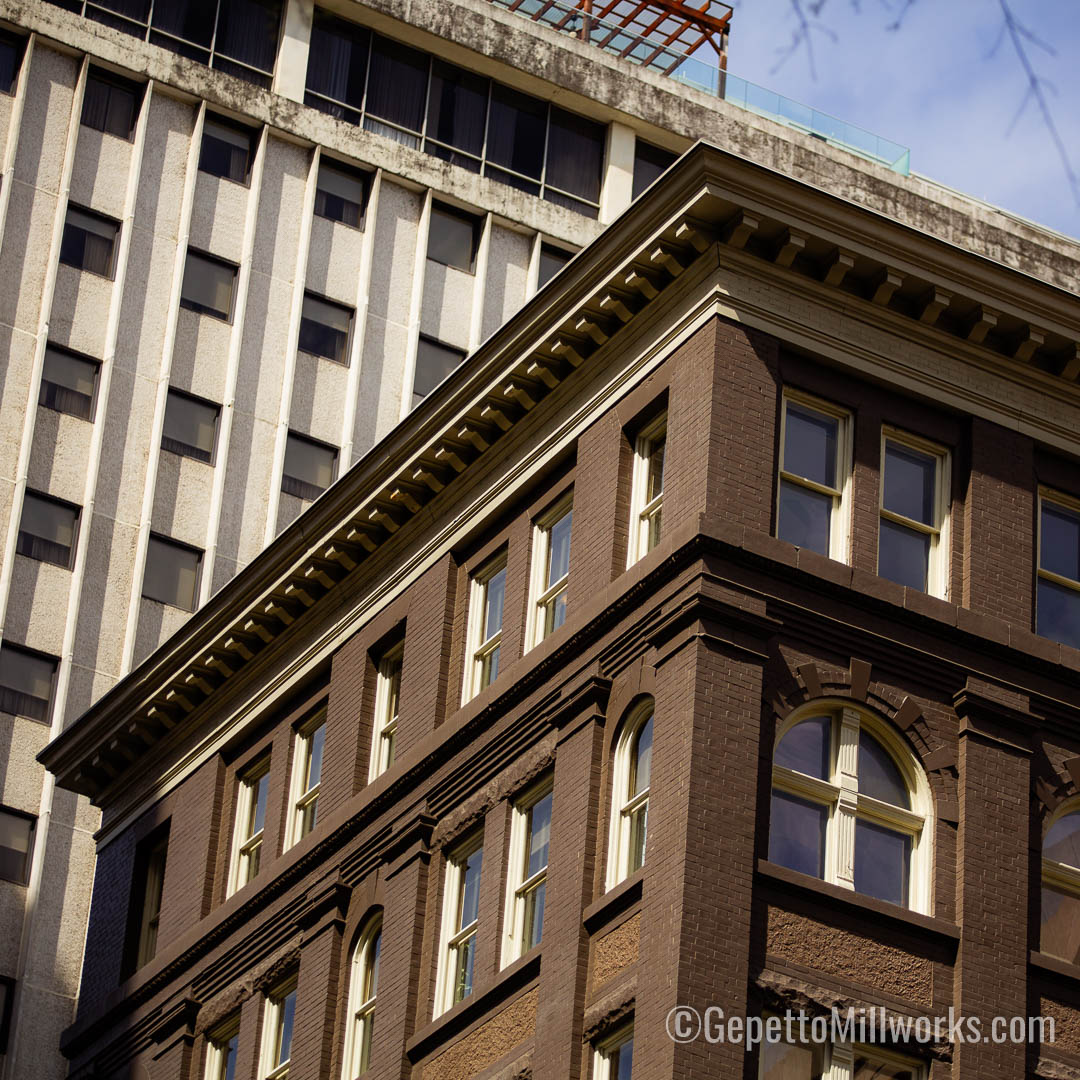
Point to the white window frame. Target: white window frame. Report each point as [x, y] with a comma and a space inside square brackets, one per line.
[384, 730]
[840, 1061]
[623, 806]
[840, 519]
[153, 884]
[217, 1048]
[273, 1004]
[450, 940]
[846, 805]
[361, 1013]
[243, 843]
[1070, 505]
[603, 1051]
[302, 797]
[479, 650]
[518, 886]
[644, 511]
[937, 571]
[542, 595]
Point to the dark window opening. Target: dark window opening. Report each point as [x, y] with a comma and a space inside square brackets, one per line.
[26, 682]
[47, 530]
[171, 575]
[111, 104]
[453, 237]
[68, 383]
[434, 362]
[397, 89]
[325, 328]
[208, 285]
[190, 426]
[89, 242]
[16, 845]
[649, 163]
[226, 150]
[144, 908]
[341, 193]
[337, 67]
[552, 260]
[12, 49]
[310, 467]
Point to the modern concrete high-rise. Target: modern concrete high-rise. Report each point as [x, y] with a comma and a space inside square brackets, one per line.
[239, 240]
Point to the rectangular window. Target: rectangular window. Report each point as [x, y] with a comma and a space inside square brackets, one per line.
[172, 573]
[7, 1001]
[387, 705]
[26, 682]
[89, 242]
[227, 149]
[517, 129]
[278, 1020]
[250, 822]
[341, 193]
[397, 91]
[815, 469]
[337, 67]
[461, 908]
[11, 54]
[650, 162]
[16, 845]
[457, 113]
[614, 1058]
[222, 1048]
[325, 328]
[912, 543]
[453, 236]
[530, 836]
[147, 880]
[68, 383]
[209, 285]
[190, 426]
[552, 260]
[310, 467]
[575, 162]
[306, 777]
[111, 104]
[1057, 606]
[434, 362]
[47, 529]
[486, 598]
[550, 571]
[647, 489]
[246, 39]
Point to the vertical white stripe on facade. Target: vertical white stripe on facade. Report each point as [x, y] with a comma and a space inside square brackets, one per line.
[476, 321]
[416, 303]
[7, 169]
[532, 282]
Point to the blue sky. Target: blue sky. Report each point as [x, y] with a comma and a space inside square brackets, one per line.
[938, 86]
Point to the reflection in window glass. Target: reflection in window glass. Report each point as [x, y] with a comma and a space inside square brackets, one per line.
[68, 383]
[226, 150]
[452, 237]
[806, 747]
[110, 104]
[649, 163]
[552, 260]
[325, 329]
[397, 91]
[310, 467]
[337, 67]
[341, 193]
[434, 362]
[26, 682]
[190, 426]
[208, 285]
[89, 242]
[47, 530]
[1058, 600]
[172, 573]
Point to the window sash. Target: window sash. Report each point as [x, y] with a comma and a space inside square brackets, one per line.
[646, 521]
[387, 711]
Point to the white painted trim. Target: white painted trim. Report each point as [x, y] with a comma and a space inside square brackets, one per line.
[355, 1026]
[378, 763]
[640, 524]
[246, 785]
[622, 805]
[514, 907]
[272, 1008]
[539, 592]
[452, 885]
[477, 647]
[298, 789]
[416, 305]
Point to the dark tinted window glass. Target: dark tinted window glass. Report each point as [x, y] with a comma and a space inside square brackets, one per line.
[552, 260]
[882, 858]
[575, 160]
[457, 112]
[16, 844]
[649, 162]
[248, 32]
[208, 285]
[147, 879]
[797, 834]
[434, 361]
[47, 530]
[225, 151]
[397, 89]
[324, 329]
[68, 383]
[172, 573]
[26, 681]
[879, 776]
[89, 242]
[806, 748]
[127, 15]
[110, 105]
[452, 237]
[810, 445]
[805, 517]
[910, 479]
[310, 467]
[337, 66]
[516, 137]
[11, 54]
[1059, 547]
[341, 194]
[190, 426]
[190, 21]
[1058, 609]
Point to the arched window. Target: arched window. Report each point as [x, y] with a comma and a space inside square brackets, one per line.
[630, 794]
[1060, 934]
[363, 986]
[850, 805]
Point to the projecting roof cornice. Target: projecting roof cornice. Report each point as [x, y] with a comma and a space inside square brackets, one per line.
[749, 217]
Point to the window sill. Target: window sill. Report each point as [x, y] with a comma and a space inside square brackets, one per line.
[793, 882]
[614, 902]
[1054, 966]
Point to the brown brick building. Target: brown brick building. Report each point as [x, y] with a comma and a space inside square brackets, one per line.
[755, 535]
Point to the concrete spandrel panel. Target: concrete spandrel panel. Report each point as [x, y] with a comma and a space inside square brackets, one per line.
[125, 449]
[39, 160]
[37, 605]
[334, 260]
[164, 165]
[182, 497]
[12, 907]
[157, 623]
[217, 216]
[144, 311]
[21, 740]
[90, 318]
[224, 571]
[59, 455]
[16, 368]
[264, 348]
[318, 398]
[24, 258]
[42, 1015]
[110, 566]
[241, 534]
[381, 382]
[99, 177]
[200, 355]
[447, 305]
[395, 252]
[507, 278]
[281, 209]
[289, 509]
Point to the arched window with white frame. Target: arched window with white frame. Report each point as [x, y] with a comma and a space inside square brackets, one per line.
[1060, 914]
[851, 805]
[363, 987]
[630, 782]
